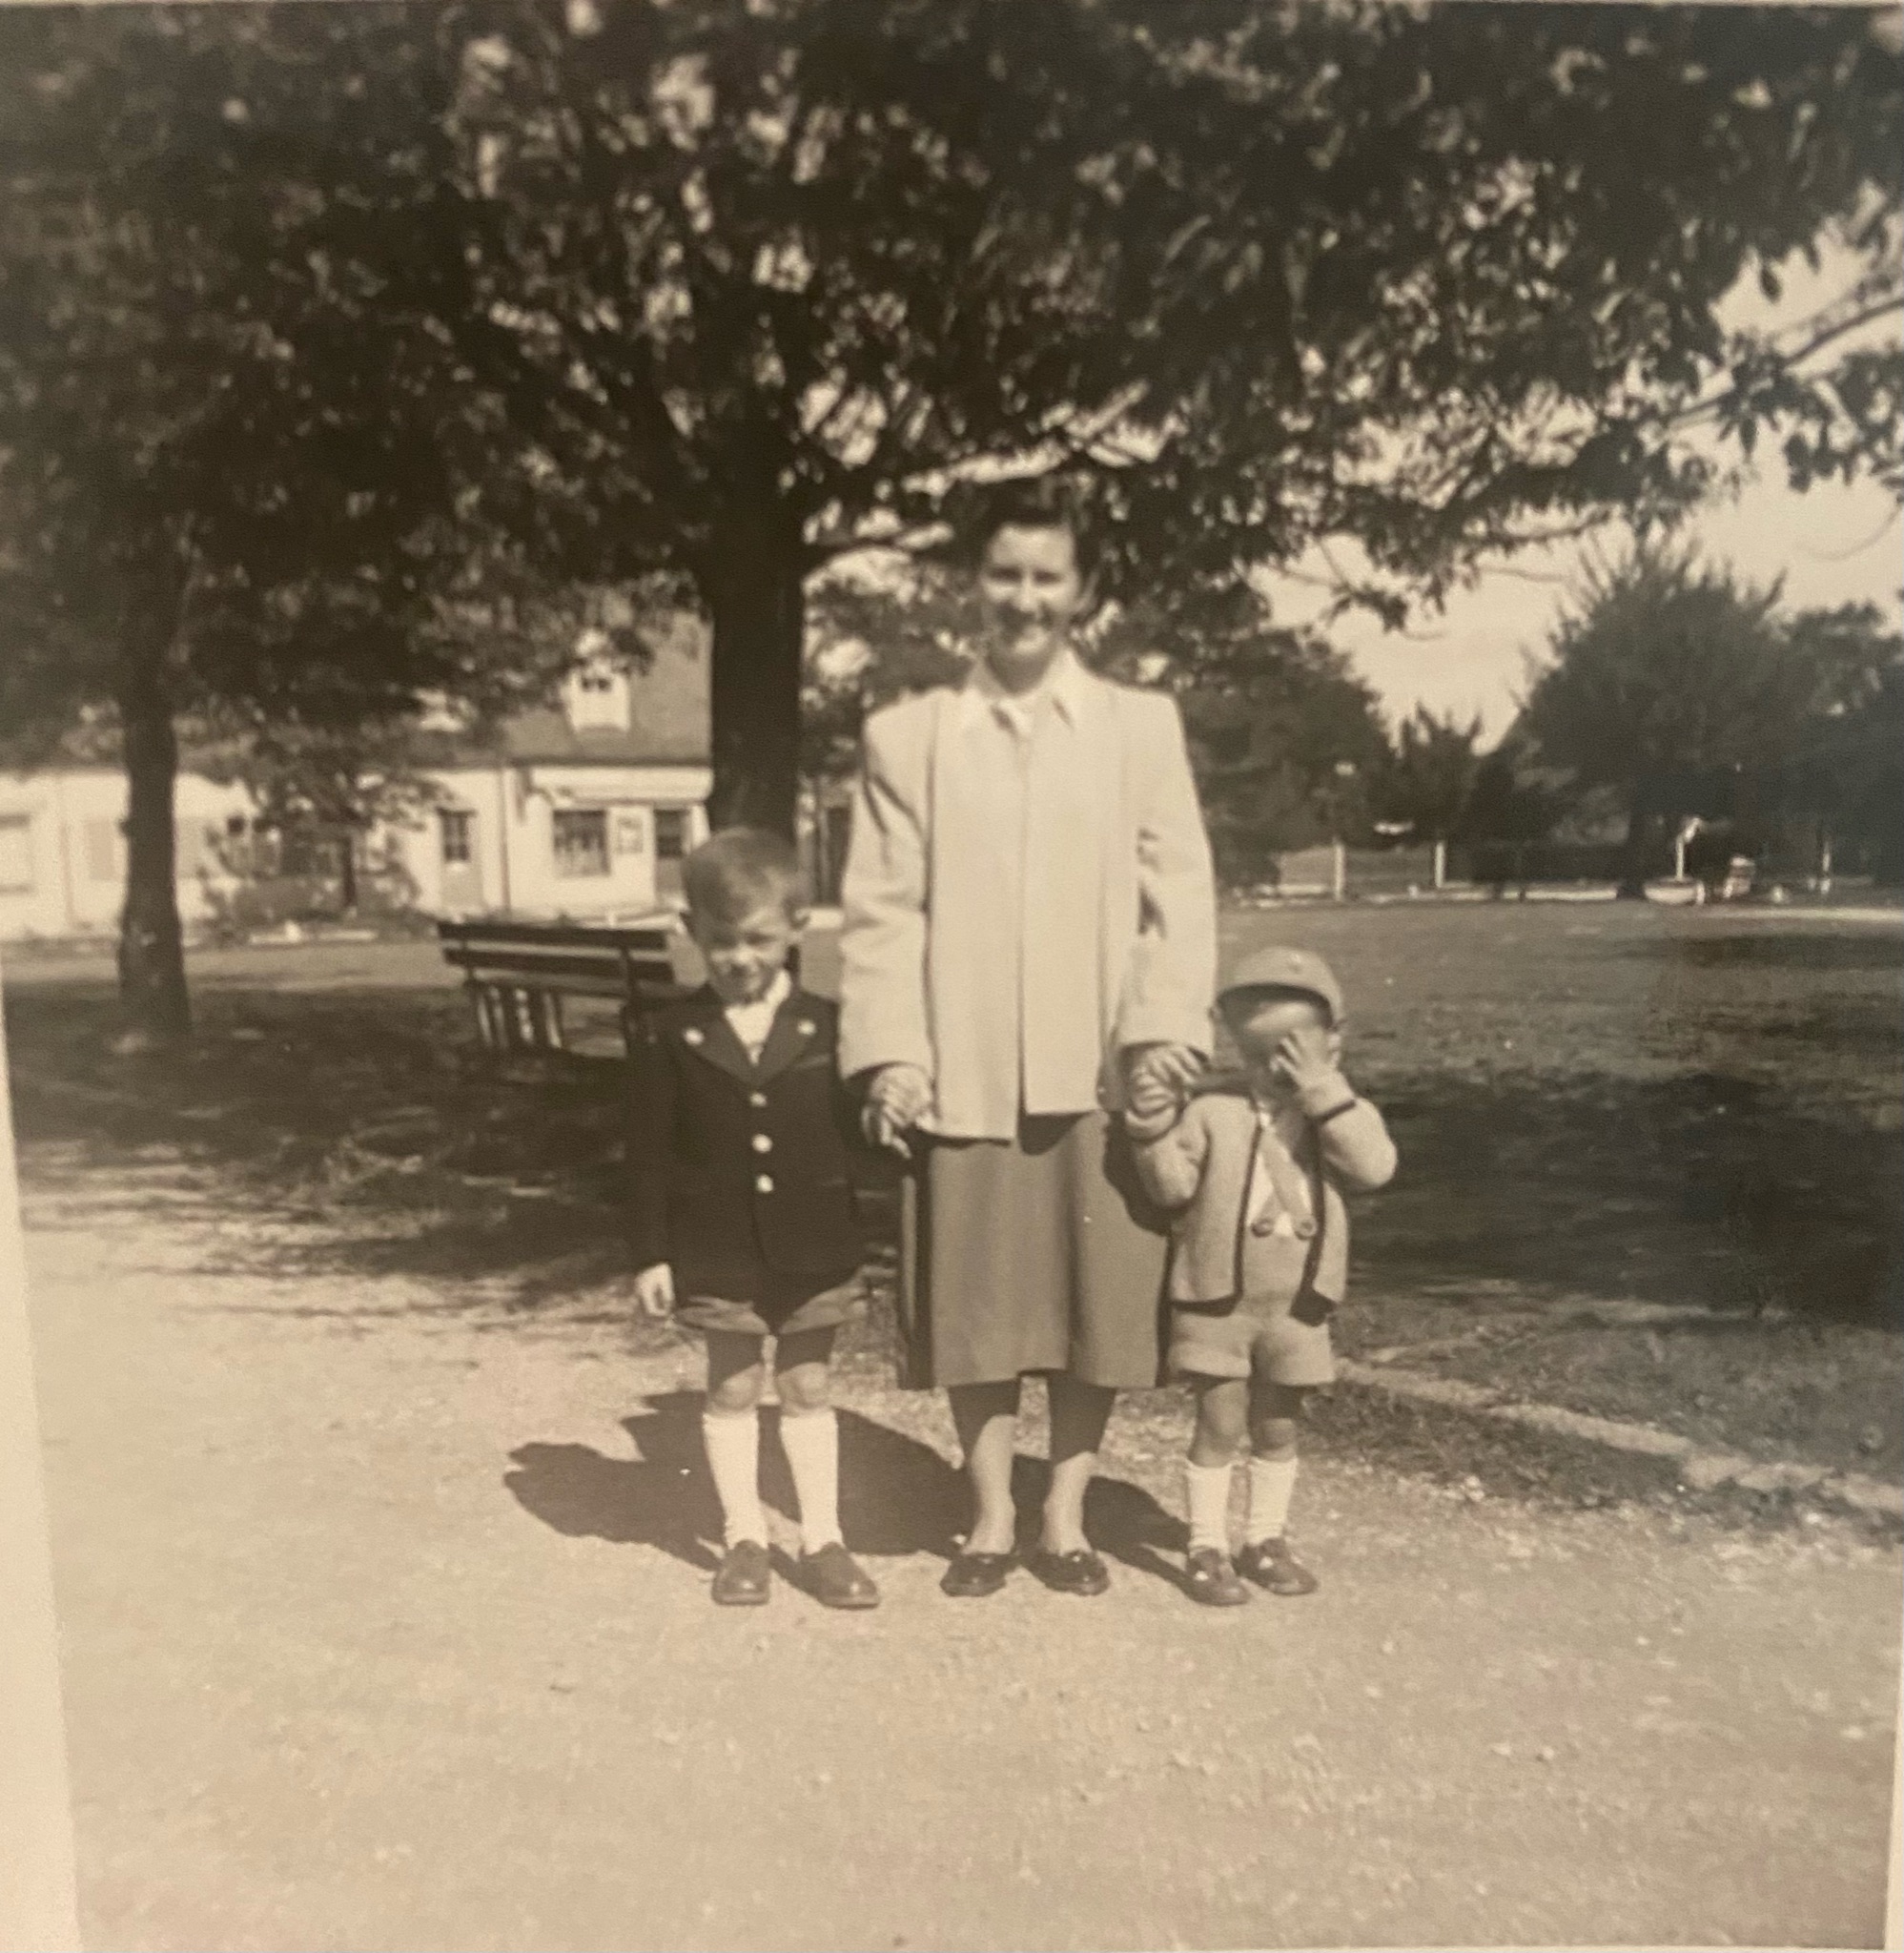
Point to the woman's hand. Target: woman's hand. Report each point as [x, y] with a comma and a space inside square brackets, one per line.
[899, 1097]
[1158, 1076]
[654, 1291]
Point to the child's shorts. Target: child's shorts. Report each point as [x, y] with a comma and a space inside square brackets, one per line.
[779, 1308]
[1258, 1337]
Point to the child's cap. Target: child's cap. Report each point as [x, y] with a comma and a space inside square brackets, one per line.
[1281, 968]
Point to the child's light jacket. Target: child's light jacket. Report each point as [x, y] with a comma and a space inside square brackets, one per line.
[1199, 1165]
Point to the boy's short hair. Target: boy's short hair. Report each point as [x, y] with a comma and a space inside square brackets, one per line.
[738, 869]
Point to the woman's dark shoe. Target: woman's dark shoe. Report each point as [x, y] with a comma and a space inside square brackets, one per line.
[1271, 1565]
[834, 1578]
[1080, 1571]
[742, 1578]
[973, 1575]
[1211, 1580]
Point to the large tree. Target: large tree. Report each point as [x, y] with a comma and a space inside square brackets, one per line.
[775, 271]
[223, 238]
[1685, 688]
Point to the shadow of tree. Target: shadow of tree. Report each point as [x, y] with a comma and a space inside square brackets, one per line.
[1745, 1154]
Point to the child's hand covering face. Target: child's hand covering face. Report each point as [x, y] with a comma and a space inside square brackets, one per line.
[1286, 1044]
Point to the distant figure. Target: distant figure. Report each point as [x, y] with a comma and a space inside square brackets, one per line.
[741, 1211]
[1254, 1173]
[1030, 928]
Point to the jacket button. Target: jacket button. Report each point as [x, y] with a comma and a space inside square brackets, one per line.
[756, 1099]
[762, 1183]
[761, 1143]
[1263, 1227]
[1305, 1229]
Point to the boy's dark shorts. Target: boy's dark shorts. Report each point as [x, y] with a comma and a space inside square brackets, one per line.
[784, 1307]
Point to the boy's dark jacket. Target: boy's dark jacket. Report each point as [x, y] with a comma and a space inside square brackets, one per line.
[740, 1174]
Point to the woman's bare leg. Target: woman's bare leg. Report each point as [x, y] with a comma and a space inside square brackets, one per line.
[986, 1417]
[1079, 1412]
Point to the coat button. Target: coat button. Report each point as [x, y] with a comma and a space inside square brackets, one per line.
[762, 1183]
[1305, 1229]
[756, 1099]
[761, 1143]
[1263, 1227]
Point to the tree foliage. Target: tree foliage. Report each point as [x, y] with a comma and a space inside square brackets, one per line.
[1437, 280]
[1690, 690]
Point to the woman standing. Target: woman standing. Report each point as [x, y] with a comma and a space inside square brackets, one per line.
[1029, 923]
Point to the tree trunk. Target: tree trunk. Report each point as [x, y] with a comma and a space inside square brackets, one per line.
[757, 596]
[152, 957]
[347, 871]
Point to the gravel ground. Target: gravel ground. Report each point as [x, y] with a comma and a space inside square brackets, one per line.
[385, 1625]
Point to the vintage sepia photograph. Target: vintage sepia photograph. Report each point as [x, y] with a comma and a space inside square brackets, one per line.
[954, 975]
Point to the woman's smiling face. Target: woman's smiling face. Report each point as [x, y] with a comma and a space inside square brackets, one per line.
[1031, 591]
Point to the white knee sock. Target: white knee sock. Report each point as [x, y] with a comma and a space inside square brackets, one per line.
[1271, 1481]
[1208, 1486]
[733, 1456]
[812, 1442]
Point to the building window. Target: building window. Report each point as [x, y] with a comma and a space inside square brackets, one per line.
[456, 827]
[16, 854]
[580, 841]
[670, 832]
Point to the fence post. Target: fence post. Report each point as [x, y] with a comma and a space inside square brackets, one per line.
[1339, 869]
[1440, 864]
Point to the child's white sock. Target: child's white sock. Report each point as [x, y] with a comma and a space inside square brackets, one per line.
[732, 1439]
[812, 1442]
[1209, 1495]
[1272, 1482]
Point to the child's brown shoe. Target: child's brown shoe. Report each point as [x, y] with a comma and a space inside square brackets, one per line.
[1272, 1566]
[742, 1578]
[1211, 1580]
[834, 1578]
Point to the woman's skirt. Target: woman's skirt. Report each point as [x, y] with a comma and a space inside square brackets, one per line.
[1034, 1254]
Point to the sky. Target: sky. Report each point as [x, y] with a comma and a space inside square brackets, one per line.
[1832, 544]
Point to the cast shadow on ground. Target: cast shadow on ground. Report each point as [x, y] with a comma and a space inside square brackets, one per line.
[897, 1495]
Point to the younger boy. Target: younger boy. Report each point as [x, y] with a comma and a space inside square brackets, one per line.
[1259, 1254]
[741, 1205]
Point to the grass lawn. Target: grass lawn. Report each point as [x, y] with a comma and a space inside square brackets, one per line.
[1653, 1162]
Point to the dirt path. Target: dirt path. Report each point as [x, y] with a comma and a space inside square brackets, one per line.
[386, 1627]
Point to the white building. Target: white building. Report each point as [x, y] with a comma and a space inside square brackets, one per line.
[583, 810]
[63, 850]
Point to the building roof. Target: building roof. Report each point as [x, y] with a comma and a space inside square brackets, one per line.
[668, 718]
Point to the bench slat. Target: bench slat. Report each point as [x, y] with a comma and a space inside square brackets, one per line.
[526, 934]
[559, 968]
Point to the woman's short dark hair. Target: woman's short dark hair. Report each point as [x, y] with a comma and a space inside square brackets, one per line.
[739, 870]
[980, 510]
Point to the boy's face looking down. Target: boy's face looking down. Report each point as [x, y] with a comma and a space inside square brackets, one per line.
[1280, 1036]
[744, 955]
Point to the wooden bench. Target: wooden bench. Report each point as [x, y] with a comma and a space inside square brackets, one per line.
[517, 974]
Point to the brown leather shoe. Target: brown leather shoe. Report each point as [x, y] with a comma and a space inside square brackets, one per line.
[1271, 1565]
[1078, 1571]
[834, 1578]
[1211, 1580]
[977, 1575]
[742, 1578]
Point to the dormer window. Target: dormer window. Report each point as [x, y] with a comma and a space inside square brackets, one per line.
[596, 696]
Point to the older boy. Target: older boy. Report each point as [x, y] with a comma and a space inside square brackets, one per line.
[741, 1208]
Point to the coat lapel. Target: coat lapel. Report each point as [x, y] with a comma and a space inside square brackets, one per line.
[708, 1036]
[794, 1028]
